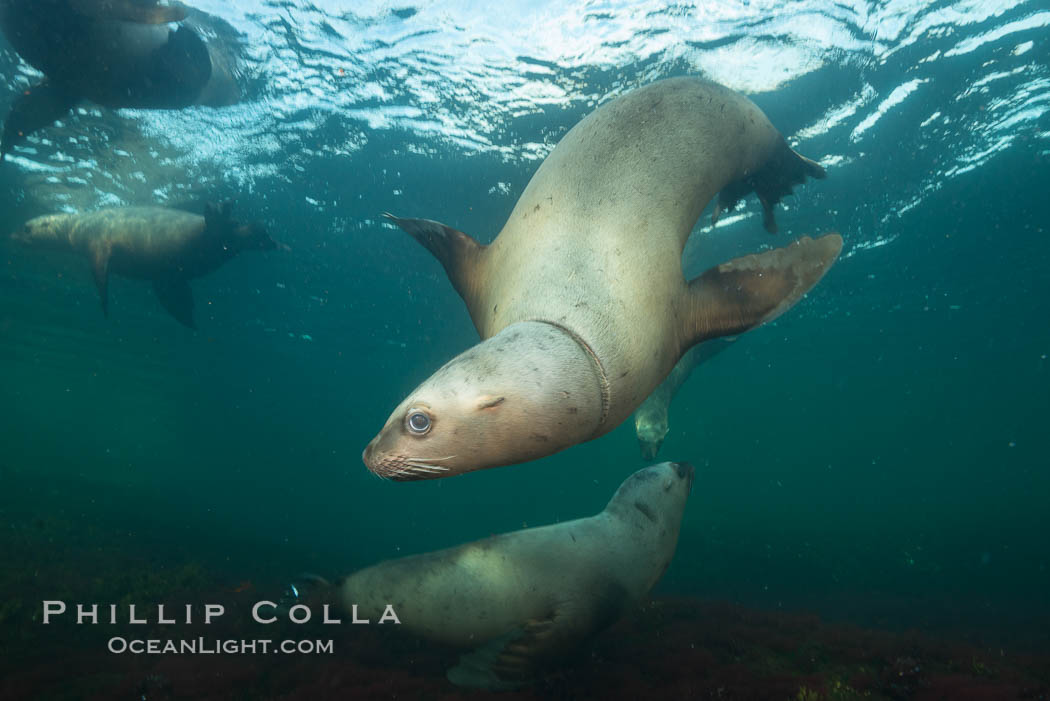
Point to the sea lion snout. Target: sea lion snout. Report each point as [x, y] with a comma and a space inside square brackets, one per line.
[650, 438]
[368, 455]
[685, 471]
[400, 468]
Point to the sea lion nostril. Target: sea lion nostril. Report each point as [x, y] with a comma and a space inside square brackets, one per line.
[684, 469]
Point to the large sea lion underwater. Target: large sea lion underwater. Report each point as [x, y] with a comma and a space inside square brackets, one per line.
[580, 300]
[168, 246]
[525, 600]
[651, 420]
[116, 53]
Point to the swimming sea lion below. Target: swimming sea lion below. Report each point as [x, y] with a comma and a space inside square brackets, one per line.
[168, 246]
[580, 300]
[651, 422]
[117, 53]
[527, 598]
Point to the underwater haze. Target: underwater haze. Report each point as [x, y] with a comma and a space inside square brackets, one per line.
[877, 456]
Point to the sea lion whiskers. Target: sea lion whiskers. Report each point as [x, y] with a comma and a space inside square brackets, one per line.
[417, 466]
[395, 474]
[403, 468]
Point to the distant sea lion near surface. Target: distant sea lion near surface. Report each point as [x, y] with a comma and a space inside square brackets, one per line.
[168, 246]
[651, 422]
[527, 598]
[580, 300]
[117, 53]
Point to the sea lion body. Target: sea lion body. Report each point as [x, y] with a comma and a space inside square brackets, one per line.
[580, 300]
[579, 225]
[530, 596]
[135, 59]
[167, 246]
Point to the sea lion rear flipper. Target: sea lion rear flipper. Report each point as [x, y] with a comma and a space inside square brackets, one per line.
[100, 269]
[35, 108]
[745, 292]
[176, 296]
[784, 169]
[459, 253]
[137, 11]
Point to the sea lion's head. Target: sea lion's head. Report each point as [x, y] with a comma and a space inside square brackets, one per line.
[651, 426]
[253, 237]
[239, 237]
[45, 231]
[656, 491]
[651, 502]
[527, 392]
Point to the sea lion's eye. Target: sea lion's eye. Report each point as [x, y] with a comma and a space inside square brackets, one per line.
[417, 422]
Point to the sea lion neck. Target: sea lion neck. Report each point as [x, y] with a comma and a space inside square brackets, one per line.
[604, 391]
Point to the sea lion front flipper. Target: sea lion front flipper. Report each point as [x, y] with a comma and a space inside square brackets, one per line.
[136, 11]
[508, 662]
[513, 660]
[35, 108]
[476, 668]
[459, 253]
[182, 67]
[745, 292]
[784, 169]
[100, 269]
[176, 296]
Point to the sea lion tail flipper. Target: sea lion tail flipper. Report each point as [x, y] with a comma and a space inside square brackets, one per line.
[176, 296]
[100, 269]
[459, 253]
[745, 292]
[35, 108]
[137, 11]
[784, 169]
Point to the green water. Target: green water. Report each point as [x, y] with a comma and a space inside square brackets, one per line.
[878, 454]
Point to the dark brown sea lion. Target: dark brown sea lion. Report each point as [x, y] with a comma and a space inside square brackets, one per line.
[580, 300]
[117, 53]
[168, 246]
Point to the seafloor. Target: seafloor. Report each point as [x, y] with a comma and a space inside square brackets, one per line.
[669, 648]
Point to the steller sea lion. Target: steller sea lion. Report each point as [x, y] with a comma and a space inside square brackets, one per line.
[117, 53]
[651, 422]
[525, 599]
[168, 246]
[580, 300]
